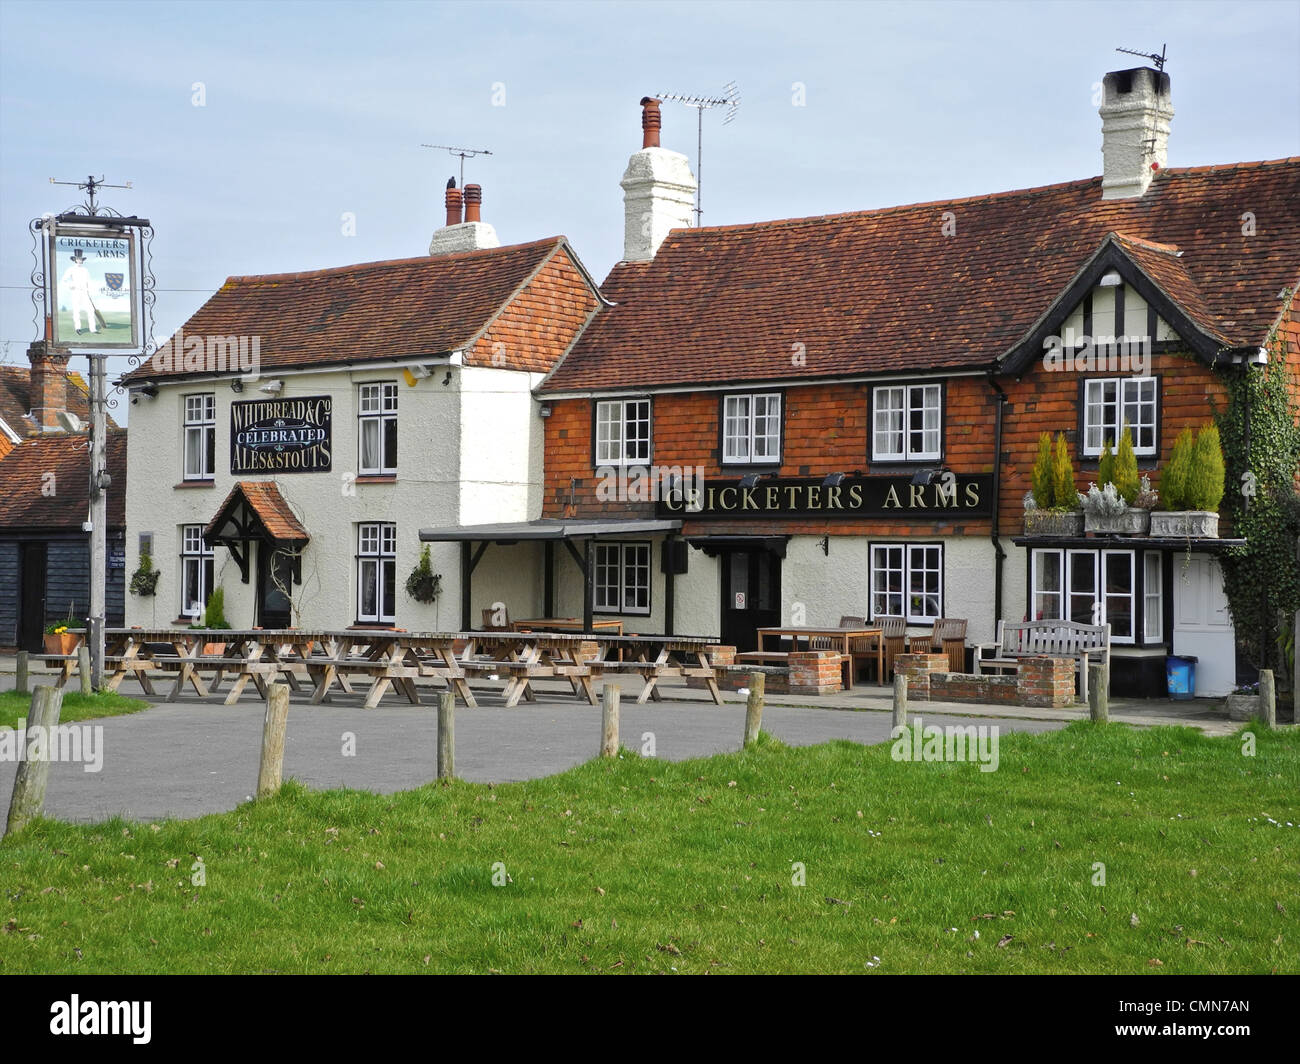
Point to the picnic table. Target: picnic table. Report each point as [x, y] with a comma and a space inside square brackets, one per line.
[394, 660]
[567, 624]
[836, 638]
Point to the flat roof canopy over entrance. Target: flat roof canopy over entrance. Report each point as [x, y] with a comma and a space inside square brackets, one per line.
[549, 532]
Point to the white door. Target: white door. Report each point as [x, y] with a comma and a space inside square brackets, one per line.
[1202, 624]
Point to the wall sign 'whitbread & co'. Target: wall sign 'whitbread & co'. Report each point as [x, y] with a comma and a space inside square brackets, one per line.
[967, 495]
[281, 435]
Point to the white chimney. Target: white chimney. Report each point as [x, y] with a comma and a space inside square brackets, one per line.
[1135, 114]
[469, 233]
[658, 191]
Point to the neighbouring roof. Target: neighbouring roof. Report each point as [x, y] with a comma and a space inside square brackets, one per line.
[258, 500]
[513, 531]
[45, 482]
[886, 290]
[16, 404]
[430, 305]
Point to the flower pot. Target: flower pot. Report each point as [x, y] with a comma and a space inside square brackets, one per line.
[1132, 522]
[1243, 707]
[1053, 523]
[214, 649]
[62, 643]
[1186, 524]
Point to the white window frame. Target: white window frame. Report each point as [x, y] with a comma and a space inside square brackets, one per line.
[742, 443]
[195, 552]
[621, 571]
[909, 563]
[894, 411]
[1098, 599]
[1153, 603]
[377, 553]
[376, 409]
[199, 435]
[1104, 416]
[613, 445]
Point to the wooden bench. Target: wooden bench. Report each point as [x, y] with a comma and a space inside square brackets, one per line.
[1046, 639]
[763, 657]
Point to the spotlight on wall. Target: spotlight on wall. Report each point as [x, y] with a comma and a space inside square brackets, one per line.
[1111, 279]
[544, 410]
[750, 480]
[419, 372]
[923, 478]
[833, 480]
[273, 387]
[447, 379]
[236, 385]
[150, 391]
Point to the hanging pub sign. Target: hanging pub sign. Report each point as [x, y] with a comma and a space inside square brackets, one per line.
[281, 435]
[948, 497]
[93, 286]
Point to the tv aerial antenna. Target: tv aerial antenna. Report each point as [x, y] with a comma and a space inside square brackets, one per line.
[730, 99]
[1158, 59]
[464, 153]
[89, 186]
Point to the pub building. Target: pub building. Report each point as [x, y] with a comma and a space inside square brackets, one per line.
[786, 422]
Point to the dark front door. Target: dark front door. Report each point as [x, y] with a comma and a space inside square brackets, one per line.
[274, 585]
[751, 596]
[31, 597]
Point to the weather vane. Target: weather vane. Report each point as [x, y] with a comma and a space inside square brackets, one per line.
[730, 99]
[464, 153]
[1157, 59]
[89, 186]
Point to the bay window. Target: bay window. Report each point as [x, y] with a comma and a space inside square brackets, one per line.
[1099, 587]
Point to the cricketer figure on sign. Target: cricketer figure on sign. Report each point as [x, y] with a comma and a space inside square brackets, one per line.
[75, 284]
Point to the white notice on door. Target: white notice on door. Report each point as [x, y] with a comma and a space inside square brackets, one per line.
[740, 600]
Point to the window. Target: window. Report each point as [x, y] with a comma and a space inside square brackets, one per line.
[1098, 587]
[751, 428]
[200, 436]
[1111, 403]
[196, 571]
[377, 429]
[906, 422]
[622, 577]
[907, 581]
[623, 432]
[376, 572]
[1153, 614]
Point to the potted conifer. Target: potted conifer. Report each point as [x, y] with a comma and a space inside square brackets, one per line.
[1052, 507]
[1191, 487]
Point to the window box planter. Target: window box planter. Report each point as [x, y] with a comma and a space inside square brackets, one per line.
[1191, 524]
[1053, 523]
[1243, 707]
[1132, 522]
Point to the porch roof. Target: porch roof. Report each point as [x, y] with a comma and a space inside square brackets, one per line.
[1203, 545]
[514, 531]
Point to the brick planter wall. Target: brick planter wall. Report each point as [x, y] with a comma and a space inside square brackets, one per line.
[815, 672]
[1046, 682]
[776, 678]
[1039, 681]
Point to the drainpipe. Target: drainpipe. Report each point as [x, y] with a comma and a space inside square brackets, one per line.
[999, 555]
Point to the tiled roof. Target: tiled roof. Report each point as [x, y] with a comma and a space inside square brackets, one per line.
[15, 398]
[429, 305]
[32, 501]
[266, 502]
[885, 290]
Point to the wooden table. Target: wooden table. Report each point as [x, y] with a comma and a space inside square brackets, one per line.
[528, 656]
[655, 657]
[567, 624]
[842, 636]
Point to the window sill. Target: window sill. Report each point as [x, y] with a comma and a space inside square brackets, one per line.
[902, 465]
[373, 626]
[196, 484]
[376, 478]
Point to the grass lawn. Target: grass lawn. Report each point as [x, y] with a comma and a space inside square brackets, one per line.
[638, 865]
[76, 706]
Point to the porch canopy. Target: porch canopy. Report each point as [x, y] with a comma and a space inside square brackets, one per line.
[256, 511]
[550, 530]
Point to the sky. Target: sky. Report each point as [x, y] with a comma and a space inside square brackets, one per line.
[252, 131]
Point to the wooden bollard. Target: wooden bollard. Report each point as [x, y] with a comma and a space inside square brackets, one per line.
[1099, 693]
[446, 735]
[754, 707]
[20, 684]
[900, 700]
[83, 667]
[28, 799]
[1267, 698]
[609, 699]
[271, 768]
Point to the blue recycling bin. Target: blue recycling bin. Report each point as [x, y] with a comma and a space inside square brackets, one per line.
[1180, 673]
